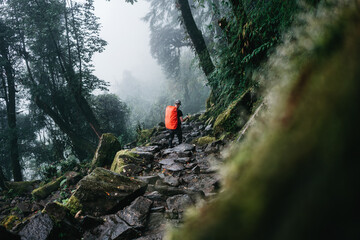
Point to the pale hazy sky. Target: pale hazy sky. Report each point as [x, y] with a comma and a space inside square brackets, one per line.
[128, 43]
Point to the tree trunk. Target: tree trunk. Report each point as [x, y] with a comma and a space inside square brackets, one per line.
[196, 38]
[11, 111]
[2, 180]
[82, 146]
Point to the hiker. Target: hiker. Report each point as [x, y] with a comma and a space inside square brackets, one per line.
[173, 120]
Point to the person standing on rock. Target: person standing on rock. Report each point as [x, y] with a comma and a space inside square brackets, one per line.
[173, 120]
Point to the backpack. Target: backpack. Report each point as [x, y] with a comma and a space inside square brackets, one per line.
[171, 119]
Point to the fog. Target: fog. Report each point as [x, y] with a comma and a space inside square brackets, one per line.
[126, 62]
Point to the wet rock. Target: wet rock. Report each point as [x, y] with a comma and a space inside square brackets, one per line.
[104, 191]
[171, 191]
[184, 147]
[136, 214]
[190, 165]
[154, 196]
[5, 234]
[202, 182]
[158, 209]
[167, 190]
[152, 149]
[156, 221]
[183, 160]
[175, 167]
[89, 222]
[179, 203]
[106, 150]
[148, 179]
[113, 228]
[131, 170]
[167, 161]
[41, 227]
[196, 169]
[172, 181]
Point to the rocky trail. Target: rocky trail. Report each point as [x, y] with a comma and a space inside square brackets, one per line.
[146, 189]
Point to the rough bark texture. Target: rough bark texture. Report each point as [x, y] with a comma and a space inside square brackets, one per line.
[9, 90]
[196, 38]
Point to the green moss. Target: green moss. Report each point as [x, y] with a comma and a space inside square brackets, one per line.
[122, 158]
[47, 189]
[144, 135]
[231, 119]
[20, 188]
[10, 221]
[299, 176]
[204, 140]
[74, 205]
[105, 152]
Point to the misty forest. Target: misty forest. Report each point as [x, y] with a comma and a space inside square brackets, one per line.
[222, 119]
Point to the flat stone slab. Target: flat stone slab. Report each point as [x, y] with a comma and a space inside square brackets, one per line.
[184, 147]
[175, 167]
[167, 161]
[152, 149]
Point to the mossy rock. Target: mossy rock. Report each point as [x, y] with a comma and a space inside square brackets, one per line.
[235, 116]
[300, 178]
[106, 150]
[103, 192]
[130, 157]
[145, 135]
[122, 158]
[47, 189]
[10, 221]
[21, 188]
[74, 205]
[202, 141]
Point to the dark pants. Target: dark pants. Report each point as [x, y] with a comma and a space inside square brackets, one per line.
[178, 133]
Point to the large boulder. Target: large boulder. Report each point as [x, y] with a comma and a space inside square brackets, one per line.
[104, 191]
[106, 150]
[125, 159]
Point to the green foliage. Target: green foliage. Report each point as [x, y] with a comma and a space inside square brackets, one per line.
[300, 175]
[113, 115]
[252, 32]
